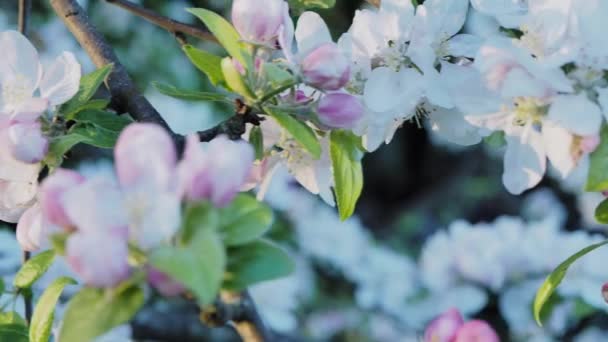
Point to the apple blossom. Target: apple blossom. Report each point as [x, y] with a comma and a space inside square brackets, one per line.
[476, 331]
[445, 327]
[215, 170]
[100, 259]
[146, 160]
[51, 195]
[30, 231]
[326, 67]
[339, 110]
[258, 22]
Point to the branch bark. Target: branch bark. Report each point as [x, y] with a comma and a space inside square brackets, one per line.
[173, 26]
[125, 96]
[239, 311]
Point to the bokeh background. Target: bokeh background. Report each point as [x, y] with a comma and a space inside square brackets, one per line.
[434, 228]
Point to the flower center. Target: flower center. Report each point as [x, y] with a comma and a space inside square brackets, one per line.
[528, 110]
[16, 91]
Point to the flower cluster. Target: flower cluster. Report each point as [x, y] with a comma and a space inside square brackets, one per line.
[139, 205]
[29, 94]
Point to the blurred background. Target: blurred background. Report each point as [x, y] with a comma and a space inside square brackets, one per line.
[434, 228]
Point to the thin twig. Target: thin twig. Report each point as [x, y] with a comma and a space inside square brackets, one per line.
[235, 126]
[125, 96]
[173, 26]
[25, 8]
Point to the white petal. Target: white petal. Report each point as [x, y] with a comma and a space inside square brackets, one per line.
[11, 169]
[576, 113]
[61, 79]
[311, 31]
[386, 90]
[19, 62]
[525, 162]
[450, 13]
[464, 45]
[558, 145]
[451, 125]
[436, 91]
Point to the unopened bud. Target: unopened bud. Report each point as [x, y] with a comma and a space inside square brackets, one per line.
[326, 67]
[258, 21]
[339, 110]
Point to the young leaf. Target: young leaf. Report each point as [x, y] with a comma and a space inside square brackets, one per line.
[88, 86]
[58, 147]
[106, 120]
[225, 34]
[555, 278]
[13, 332]
[93, 312]
[11, 317]
[42, 320]
[302, 133]
[34, 269]
[94, 135]
[234, 79]
[244, 220]
[347, 170]
[597, 179]
[199, 266]
[301, 5]
[276, 76]
[256, 262]
[199, 216]
[601, 212]
[190, 95]
[206, 62]
[256, 139]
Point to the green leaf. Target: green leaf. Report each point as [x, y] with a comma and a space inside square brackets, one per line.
[190, 95]
[256, 139]
[601, 212]
[234, 79]
[2, 286]
[93, 312]
[13, 333]
[225, 34]
[597, 179]
[348, 174]
[58, 147]
[555, 278]
[277, 76]
[256, 262]
[103, 119]
[199, 216]
[94, 135]
[199, 266]
[244, 220]
[42, 320]
[301, 132]
[58, 242]
[11, 317]
[301, 5]
[34, 269]
[206, 62]
[88, 86]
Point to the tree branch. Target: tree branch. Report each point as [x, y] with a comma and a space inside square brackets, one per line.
[25, 8]
[173, 26]
[235, 126]
[237, 310]
[125, 96]
[375, 3]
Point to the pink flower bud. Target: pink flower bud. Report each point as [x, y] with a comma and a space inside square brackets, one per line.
[339, 110]
[163, 283]
[476, 331]
[215, 171]
[326, 67]
[32, 233]
[26, 141]
[444, 328]
[145, 153]
[258, 21]
[100, 259]
[605, 292]
[51, 195]
[589, 143]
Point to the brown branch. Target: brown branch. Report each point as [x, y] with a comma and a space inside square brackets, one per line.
[375, 3]
[178, 29]
[125, 96]
[235, 126]
[237, 310]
